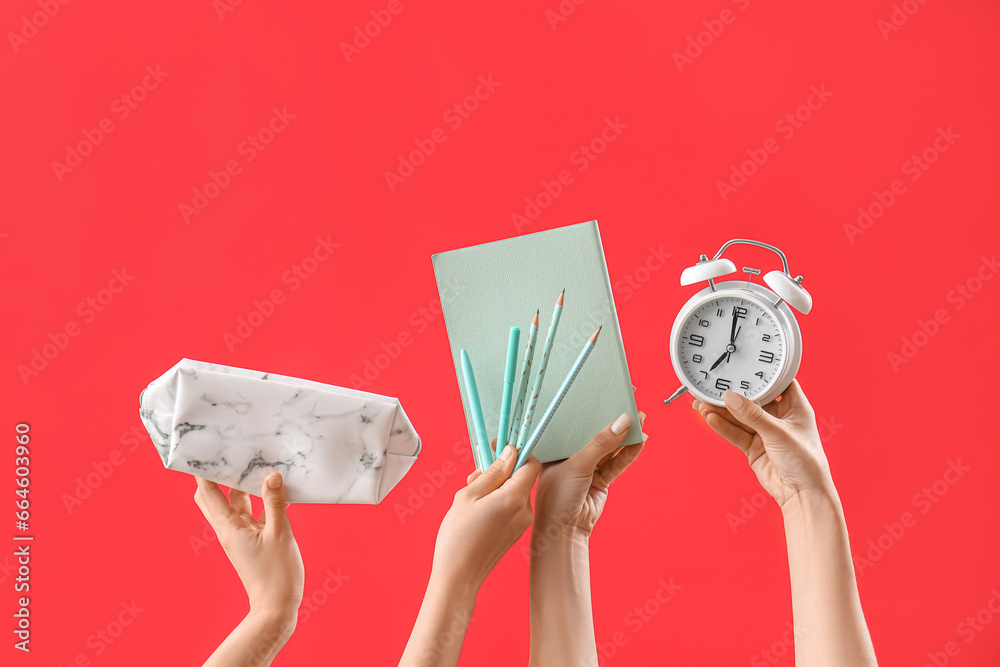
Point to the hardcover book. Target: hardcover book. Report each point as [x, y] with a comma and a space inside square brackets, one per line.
[502, 285]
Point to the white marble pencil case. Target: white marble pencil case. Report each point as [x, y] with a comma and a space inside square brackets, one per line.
[236, 426]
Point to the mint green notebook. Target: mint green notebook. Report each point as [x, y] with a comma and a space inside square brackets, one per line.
[486, 289]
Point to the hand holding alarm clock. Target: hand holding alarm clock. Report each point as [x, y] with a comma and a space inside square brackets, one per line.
[736, 334]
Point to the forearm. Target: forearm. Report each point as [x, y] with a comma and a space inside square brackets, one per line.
[562, 618]
[829, 625]
[439, 630]
[255, 641]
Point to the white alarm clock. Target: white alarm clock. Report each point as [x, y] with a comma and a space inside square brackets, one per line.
[736, 334]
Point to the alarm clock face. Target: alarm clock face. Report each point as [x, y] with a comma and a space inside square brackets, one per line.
[735, 339]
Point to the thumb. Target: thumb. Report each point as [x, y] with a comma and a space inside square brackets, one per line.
[606, 441]
[750, 414]
[494, 476]
[275, 518]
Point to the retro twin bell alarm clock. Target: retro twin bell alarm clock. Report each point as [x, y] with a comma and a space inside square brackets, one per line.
[736, 334]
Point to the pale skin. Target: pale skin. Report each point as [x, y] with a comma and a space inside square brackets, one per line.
[782, 445]
[569, 500]
[266, 557]
[486, 518]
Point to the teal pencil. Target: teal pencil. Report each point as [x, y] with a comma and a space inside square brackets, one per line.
[472, 393]
[508, 386]
[536, 388]
[522, 383]
[550, 411]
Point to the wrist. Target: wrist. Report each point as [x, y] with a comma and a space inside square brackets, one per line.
[460, 587]
[559, 541]
[565, 528]
[812, 504]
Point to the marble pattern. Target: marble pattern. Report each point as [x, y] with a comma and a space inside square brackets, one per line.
[236, 426]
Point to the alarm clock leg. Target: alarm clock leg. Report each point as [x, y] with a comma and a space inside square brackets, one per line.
[677, 394]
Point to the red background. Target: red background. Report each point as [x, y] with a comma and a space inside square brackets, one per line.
[890, 432]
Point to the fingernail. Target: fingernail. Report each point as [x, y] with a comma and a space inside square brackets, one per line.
[274, 482]
[505, 454]
[733, 400]
[621, 424]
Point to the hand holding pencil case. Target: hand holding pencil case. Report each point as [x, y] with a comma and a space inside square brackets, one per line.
[236, 426]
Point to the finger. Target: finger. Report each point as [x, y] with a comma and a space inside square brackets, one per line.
[708, 408]
[494, 476]
[795, 396]
[213, 498]
[616, 466]
[608, 457]
[201, 505]
[524, 477]
[642, 418]
[240, 502]
[602, 444]
[473, 475]
[274, 517]
[750, 414]
[730, 432]
[493, 447]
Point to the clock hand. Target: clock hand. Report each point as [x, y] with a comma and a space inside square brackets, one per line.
[732, 344]
[732, 333]
[719, 360]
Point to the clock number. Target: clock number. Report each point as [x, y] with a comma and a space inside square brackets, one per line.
[720, 313]
[697, 358]
[703, 323]
[760, 374]
[706, 374]
[765, 338]
[722, 384]
[697, 340]
[739, 311]
[744, 384]
[766, 357]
